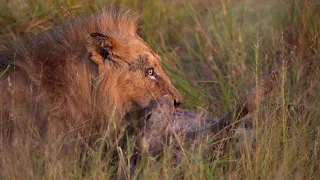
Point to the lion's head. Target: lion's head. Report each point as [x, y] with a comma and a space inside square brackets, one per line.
[138, 77]
[64, 82]
[82, 71]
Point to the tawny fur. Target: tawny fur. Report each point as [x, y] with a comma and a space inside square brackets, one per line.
[60, 84]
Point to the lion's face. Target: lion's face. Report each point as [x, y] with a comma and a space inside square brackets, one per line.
[135, 69]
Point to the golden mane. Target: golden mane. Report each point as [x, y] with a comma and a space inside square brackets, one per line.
[47, 61]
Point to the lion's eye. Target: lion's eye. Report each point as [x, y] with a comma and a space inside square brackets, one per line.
[150, 72]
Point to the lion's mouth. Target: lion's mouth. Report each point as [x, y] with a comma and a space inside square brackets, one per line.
[176, 110]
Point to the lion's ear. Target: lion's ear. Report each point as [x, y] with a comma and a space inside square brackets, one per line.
[100, 48]
[101, 45]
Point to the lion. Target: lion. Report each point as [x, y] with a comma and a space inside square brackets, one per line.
[77, 78]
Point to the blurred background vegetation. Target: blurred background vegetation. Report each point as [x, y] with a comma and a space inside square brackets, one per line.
[214, 51]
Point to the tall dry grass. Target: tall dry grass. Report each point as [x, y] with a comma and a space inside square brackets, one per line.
[214, 51]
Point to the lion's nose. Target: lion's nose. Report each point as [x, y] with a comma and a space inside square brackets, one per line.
[176, 103]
